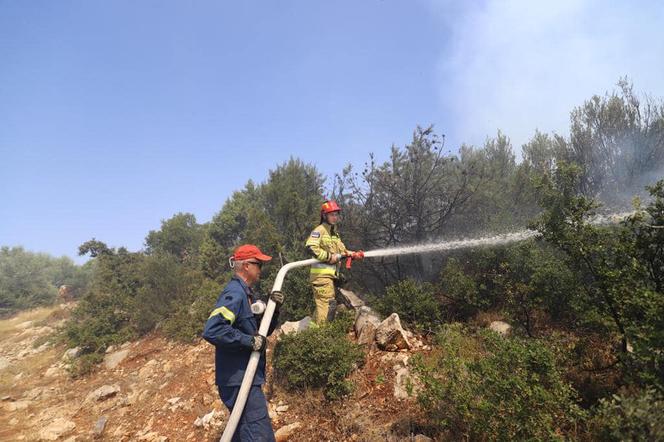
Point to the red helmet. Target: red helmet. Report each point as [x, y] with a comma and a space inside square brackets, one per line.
[329, 206]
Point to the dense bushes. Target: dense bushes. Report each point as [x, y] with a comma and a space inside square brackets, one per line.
[415, 303]
[31, 279]
[637, 417]
[319, 357]
[481, 386]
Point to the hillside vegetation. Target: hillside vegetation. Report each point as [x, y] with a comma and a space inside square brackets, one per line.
[585, 359]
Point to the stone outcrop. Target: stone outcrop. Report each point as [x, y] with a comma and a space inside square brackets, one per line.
[296, 326]
[501, 327]
[103, 393]
[350, 299]
[112, 360]
[59, 427]
[286, 432]
[390, 336]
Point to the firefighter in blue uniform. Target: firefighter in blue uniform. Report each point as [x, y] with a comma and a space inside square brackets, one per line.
[233, 329]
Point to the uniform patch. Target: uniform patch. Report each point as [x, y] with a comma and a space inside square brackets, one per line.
[315, 234]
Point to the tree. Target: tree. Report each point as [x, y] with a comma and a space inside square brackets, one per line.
[179, 236]
[408, 199]
[618, 140]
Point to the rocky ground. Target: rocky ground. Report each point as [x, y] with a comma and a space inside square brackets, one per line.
[157, 390]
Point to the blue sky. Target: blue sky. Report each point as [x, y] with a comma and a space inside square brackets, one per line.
[116, 115]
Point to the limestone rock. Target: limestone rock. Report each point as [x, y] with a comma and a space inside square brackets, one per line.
[365, 315]
[100, 426]
[284, 433]
[351, 299]
[112, 360]
[4, 363]
[71, 353]
[500, 327]
[207, 420]
[103, 393]
[296, 326]
[390, 336]
[57, 428]
[53, 371]
[368, 334]
[402, 383]
[18, 405]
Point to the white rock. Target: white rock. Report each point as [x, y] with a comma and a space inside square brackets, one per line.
[500, 327]
[103, 393]
[112, 360]
[173, 400]
[390, 336]
[18, 405]
[206, 420]
[57, 428]
[53, 371]
[402, 383]
[296, 326]
[365, 315]
[284, 433]
[368, 334]
[282, 409]
[71, 353]
[351, 299]
[100, 426]
[4, 363]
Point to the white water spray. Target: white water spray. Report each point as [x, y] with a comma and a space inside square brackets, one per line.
[454, 245]
[495, 240]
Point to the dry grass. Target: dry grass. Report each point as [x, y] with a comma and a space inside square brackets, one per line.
[12, 325]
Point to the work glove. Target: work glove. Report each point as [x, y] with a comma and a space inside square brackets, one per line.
[258, 343]
[277, 297]
[335, 258]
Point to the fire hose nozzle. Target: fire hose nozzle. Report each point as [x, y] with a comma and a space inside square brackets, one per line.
[355, 255]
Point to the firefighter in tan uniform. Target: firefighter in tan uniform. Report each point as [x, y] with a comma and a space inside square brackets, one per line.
[325, 245]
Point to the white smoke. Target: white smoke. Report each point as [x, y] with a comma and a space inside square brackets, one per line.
[518, 65]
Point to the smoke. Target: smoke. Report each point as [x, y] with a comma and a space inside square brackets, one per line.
[518, 65]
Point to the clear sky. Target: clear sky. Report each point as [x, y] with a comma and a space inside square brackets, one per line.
[115, 115]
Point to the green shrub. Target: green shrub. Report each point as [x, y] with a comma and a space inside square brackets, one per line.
[462, 290]
[319, 357]
[415, 303]
[481, 385]
[637, 417]
[188, 321]
[84, 365]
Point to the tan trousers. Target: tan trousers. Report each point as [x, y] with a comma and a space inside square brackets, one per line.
[323, 294]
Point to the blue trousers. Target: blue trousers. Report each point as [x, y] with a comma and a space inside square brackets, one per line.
[255, 424]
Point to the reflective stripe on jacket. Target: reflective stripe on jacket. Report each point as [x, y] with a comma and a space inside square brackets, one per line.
[322, 244]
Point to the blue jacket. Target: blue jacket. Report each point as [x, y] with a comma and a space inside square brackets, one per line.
[230, 329]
